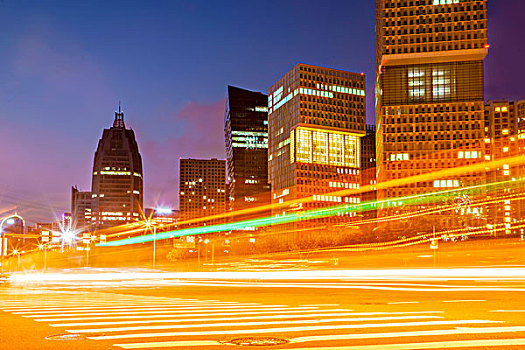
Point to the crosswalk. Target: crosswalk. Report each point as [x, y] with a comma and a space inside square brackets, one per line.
[153, 322]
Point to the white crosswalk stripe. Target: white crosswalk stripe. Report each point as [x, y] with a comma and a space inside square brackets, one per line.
[144, 322]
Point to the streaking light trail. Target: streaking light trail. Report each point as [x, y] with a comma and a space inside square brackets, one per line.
[424, 198]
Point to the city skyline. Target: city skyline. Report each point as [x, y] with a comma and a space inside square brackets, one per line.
[44, 116]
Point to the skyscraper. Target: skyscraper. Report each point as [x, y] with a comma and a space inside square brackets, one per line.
[246, 135]
[505, 138]
[429, 91]
[202, 188]
[316, 118]
[117, 177]
[80, 210]
[368, 167]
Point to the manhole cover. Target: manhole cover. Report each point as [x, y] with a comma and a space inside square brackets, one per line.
[257, 341]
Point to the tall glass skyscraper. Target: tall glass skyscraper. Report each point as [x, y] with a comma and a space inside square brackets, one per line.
[246, 135]
[117, 186]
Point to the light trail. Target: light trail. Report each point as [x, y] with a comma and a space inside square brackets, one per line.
[299, 216]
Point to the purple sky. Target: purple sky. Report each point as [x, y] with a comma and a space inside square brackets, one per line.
[65, 65]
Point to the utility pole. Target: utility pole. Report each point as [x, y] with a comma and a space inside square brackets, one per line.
[154, 245]
[212, 253]
[434, 242]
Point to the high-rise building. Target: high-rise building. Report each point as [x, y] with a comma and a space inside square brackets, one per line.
[316, 118]
[246, 135]
[368, 168]
[202, 188]
[80, 210]
[505, 138]
[429, 92]
[117, 177]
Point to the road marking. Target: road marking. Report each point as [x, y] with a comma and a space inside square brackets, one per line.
[403, 302]
[249, 324]
[272, 316]
[429, 345]
[457, 331]
[179, 314]
[142, 308]
[461, 301]
[507, 311]
[292, 329]
[140, 312]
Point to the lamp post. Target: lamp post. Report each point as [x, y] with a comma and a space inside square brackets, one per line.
[149, 224]
[3, 244]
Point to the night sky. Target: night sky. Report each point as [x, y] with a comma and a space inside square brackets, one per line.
[65, 65]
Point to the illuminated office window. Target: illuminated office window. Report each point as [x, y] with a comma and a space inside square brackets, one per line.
[325, 147]
[416, 83]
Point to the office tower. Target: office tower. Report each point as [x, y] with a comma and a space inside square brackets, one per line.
[429, 92]
[202, 189]
[368, 169]
[505, 138]
[117, 177]
[80, 210]
[316, 118]
[246, 135]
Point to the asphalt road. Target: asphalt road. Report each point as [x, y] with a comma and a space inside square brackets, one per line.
[303, 303]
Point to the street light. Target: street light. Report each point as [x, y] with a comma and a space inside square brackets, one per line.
[10, 220]
[149, 224]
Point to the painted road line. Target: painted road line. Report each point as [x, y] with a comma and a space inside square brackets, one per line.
[461, 301]
[429, 345]
[140, 308]
[272, 316]
[135, 312]
[182, 314]
[507, 311]
[439, 332]
[292, 329]
[208, 343]
[249, 324]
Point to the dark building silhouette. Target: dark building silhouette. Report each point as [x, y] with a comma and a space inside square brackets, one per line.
[80, 209]
[246, 135]
[117, 177]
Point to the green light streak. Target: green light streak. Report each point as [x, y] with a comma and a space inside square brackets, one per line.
[424, 198]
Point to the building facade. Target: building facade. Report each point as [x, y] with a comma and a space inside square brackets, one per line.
[429, 93]
[80, 210]
[316, 118]
[246, 135]
[202, 189]
[117, 185]
[368, 170]
[505, 138]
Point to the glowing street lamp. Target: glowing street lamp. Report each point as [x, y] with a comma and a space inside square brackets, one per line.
[10, 220]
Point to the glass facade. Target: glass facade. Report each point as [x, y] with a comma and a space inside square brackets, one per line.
[428, 83]
[246, 136]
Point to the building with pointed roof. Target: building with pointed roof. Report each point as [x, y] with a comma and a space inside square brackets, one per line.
[117, 186]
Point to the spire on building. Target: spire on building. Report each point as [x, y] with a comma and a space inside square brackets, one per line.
[119, 118]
